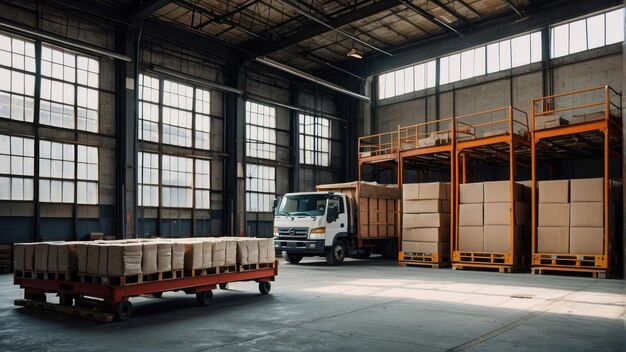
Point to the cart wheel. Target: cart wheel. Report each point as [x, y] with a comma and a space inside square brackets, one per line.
[123, 310]
[157, 294]
[40, 297]
[265, 287]
[204, 298]
[224, 286]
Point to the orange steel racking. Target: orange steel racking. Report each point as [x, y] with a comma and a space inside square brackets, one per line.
[379, 149]
[499, 136]
[599, 130]
[424, 146]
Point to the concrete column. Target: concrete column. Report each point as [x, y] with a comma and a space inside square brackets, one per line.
[294, 135]
[126, 135]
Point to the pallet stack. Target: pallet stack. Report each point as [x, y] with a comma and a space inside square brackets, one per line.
[5, 258]
[486, 221]
[553, 217]
[425, 224]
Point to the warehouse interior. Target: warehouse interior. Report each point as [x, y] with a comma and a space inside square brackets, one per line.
[171, 119]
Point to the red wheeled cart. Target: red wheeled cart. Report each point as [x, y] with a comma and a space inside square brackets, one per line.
[112, 301]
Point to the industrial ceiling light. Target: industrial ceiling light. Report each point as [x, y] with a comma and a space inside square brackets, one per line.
[355, 53]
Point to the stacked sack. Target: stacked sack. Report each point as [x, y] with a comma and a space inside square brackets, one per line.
[141, 256]
[426, 218]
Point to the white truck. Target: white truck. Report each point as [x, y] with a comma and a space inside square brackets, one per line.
[342, 220]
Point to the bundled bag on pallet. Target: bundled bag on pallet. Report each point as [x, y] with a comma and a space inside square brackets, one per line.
[164, 256]
[103, 260]
[231, 250]
[124, 259]
[81, 257]
[193, 254]
[219, 252]
[247, 251]
[66, 256]
[178, 256]
[207, 253]
[53, 256]
[24, 256]
[267, 253]
[149, 257]
[93, 258]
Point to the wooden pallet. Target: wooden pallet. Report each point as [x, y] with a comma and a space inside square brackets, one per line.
[569, 260]
[595, 273]
[500, 268]
[255, 266]
[111, 280]
[82, 312]
[432, 260]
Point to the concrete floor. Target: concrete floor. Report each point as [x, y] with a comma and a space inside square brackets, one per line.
[371, 305]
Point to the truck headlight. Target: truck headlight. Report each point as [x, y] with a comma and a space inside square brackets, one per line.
[317, 233]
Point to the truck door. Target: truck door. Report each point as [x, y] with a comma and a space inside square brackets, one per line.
[336, 218]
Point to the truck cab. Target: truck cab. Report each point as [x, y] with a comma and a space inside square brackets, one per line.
[313, 224]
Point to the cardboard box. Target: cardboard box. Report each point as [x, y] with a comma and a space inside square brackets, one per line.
[495, 133]
[471, 238]
[93, 258]
[439, 248]
[497, 239]
[411, 221]
[471, 193]
[103, 260]
[433, 234]
[471, 215]
[498, 213]
[549, 121]
[586, 240]
[425, 206]
[553, 214]
[595, 116]
[411, 191]
[553, 191]
[149, 258]
[164, 257]
[500, 191]
[587, 214]
[19, 250]
[553, 240]
[426, 142]
[67, 257]
[53, 256]
[207, 254]
[587, 190]
[231, 250]
[124, 259]
[178, 256]
[434, 190]
[219, 252]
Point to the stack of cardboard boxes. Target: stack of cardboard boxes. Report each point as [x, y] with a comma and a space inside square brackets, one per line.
[485, 217]
[571, 216]
[426, 218]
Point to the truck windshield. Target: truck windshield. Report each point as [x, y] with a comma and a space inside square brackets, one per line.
[302, 205]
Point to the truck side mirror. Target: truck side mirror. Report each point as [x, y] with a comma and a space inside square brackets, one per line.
[333, 214]
[275, 204]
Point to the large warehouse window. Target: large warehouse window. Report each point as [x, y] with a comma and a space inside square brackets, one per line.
[68, 81]
[260, 131]
[203, 121]
[260, 187]
[314, 140]
[148, 177]
[587, 33]
[87, 175]
[148, 108]
[177, 181]
[56, 169]
[407, 80]
[17, 168]
[177, 113]
[203, 184]
[17, 78]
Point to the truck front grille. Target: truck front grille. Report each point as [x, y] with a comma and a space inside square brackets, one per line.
[287, 233]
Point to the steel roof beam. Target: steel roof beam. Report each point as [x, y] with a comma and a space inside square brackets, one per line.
[515, 8]
[452, 12]
[428, 16]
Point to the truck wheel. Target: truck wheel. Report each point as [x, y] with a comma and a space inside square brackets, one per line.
[337, 253]
[390, 251]
[265, 287]
[292, 258]
[204, 298]
[123, 310]
[365, 254]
